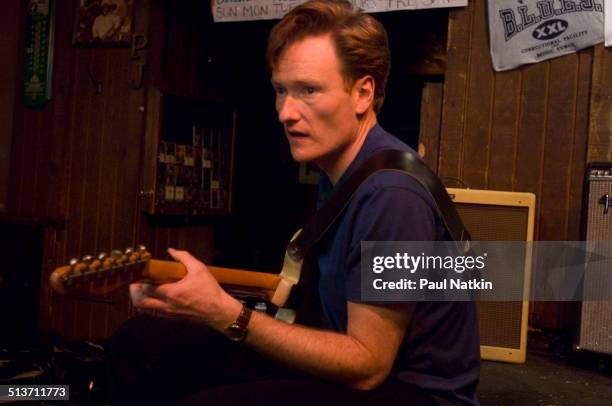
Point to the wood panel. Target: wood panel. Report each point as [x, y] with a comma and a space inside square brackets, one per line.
[522, 130]
[9, 38]
[600, 128]
[431, 114]
[504, 127]
[478, 110]
[455, 90]
[181, 70]
[79, 158]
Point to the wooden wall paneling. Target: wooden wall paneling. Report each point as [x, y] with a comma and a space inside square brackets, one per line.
[565, 314]
[45, 314]
[127, 137]
[176, 53]
[33, 157]
[36, 171]
[530, 155]
[200, 242]
[64, 69]
[537, 128]
[80, 157]
[531, 130]
[111, 140]
[600, 127]
[22, 191]
[429, 127]
[569, 312]
[580, 146]
[126, 206]
[10, 36]
[76, 166]
[16, 165]
[206, 245]
[194, 61]
[560, 125]
[147, 235]
[85, 203]
[557, 164]
[455, 90]
[109, 149]
[21, 138]
[58, 313]
[171, 51]
[478, 103]
[155, 48]
[90, 178]
[502, 153]
[180, 50]
[188, 64]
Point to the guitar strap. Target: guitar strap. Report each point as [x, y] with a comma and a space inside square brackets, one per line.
[386, 160]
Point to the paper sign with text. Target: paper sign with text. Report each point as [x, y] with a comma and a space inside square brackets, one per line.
[530, 31]
[608, 21]
[245, 10]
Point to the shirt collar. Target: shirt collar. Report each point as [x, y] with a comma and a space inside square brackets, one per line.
[326, 188]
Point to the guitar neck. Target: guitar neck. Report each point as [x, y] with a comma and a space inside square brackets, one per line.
[159, 271]
[100, 278]
[103, 275]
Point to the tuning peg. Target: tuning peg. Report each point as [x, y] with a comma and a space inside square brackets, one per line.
[87, 259]
[129, 251]
[68, 276]
[100, 267]
[142, 248]
[116, 254]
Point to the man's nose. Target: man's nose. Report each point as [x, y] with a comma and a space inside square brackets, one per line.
[288, 110]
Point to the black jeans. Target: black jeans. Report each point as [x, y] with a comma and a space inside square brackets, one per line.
[160, 361]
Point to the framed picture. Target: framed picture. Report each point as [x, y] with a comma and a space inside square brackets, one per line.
[103, 23]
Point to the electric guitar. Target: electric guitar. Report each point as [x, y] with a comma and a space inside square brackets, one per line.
[104, 274]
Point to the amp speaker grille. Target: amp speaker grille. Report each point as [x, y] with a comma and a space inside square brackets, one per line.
[596, 316]
[499, 216]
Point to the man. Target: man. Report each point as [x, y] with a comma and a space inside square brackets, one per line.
[329, 67]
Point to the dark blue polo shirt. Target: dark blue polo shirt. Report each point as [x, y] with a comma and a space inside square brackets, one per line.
[440, 352]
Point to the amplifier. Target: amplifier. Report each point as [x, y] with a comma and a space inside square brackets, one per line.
[491, 215]
[596, 316]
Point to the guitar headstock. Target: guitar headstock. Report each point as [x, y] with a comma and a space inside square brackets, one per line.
[102, 274]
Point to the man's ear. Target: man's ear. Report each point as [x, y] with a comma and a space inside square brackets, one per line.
[364, 94]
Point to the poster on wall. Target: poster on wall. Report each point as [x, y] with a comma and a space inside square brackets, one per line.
[608, 22]
[103, 23]
[245, 10]
[530, 31]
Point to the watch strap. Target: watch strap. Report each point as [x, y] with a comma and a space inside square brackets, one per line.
[243, 318]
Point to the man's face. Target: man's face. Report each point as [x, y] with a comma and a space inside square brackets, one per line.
[313, 103]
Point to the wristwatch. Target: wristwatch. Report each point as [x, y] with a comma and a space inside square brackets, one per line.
[237, 331]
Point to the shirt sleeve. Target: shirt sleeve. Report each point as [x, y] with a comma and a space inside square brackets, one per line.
[388, 214]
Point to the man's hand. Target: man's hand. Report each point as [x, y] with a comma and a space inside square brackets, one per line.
[198, 295]
[361, 358]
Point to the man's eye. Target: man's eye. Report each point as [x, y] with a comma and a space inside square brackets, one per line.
[280, 90]
[310, 90]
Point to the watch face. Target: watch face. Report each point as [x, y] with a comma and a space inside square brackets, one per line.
[236, 333]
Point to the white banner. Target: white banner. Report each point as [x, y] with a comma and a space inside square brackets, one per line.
[608, 21]
[244, 10]
[529, 31]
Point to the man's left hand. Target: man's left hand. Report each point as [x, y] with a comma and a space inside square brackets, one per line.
[198, 295]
